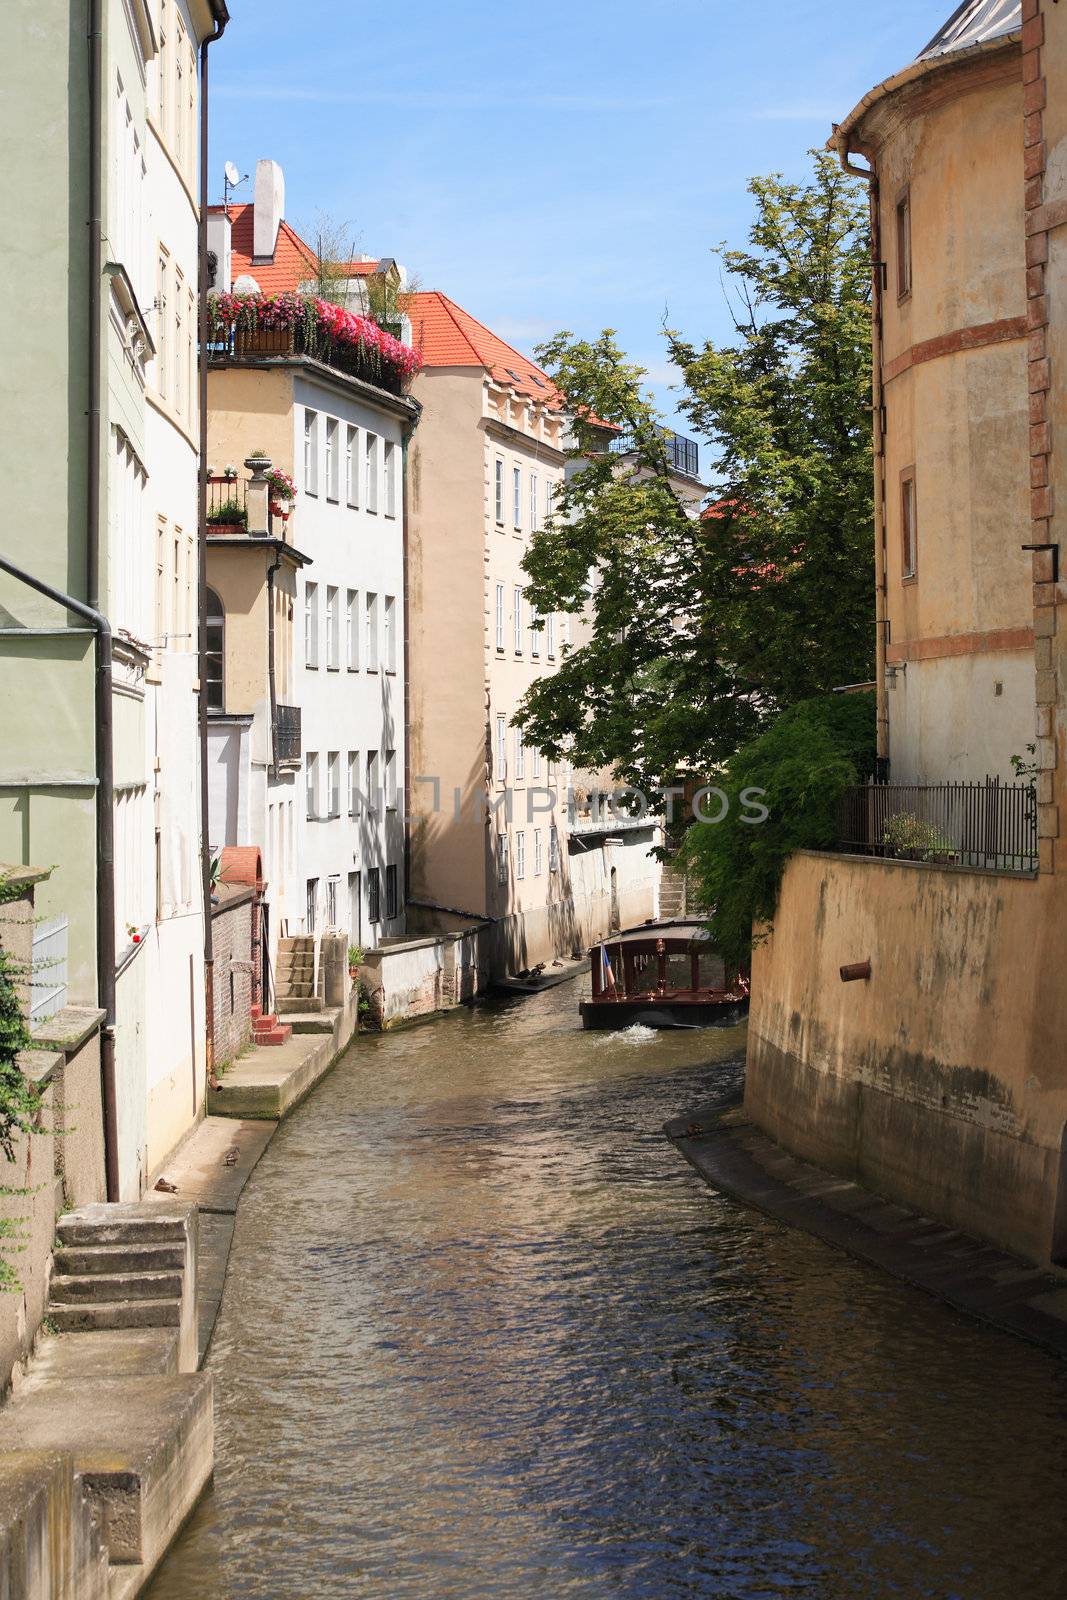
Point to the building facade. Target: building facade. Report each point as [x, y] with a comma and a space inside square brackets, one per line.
[112, 524]
[307, 607]
[942, 1079]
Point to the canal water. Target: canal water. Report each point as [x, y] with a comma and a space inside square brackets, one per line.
[485, 1334]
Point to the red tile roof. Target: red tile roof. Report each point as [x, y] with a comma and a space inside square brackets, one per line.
[294, 260]
[448, 336]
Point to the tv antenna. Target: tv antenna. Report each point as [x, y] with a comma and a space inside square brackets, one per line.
[231, 180]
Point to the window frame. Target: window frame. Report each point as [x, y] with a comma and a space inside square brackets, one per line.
[389, 476]
[333, 628]
[499, 618]
[311, 452]
[374, 895]
[516, 497]
[501, 747]
[311, 625]
[392, 892]
[520, 855]
[499, 491]
[905, 273]
[213, 622]
[311, 785]
[333, 783]
[370, 466]
[333, 461]
[909, 526]
[517, 618]
[503, 864]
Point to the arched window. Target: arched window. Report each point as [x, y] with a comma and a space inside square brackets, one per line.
[216, 653]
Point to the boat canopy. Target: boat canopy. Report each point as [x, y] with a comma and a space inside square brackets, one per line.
[683, 932]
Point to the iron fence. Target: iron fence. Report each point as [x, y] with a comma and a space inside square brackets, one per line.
[682, 454]
[991, 824]
[227, 501]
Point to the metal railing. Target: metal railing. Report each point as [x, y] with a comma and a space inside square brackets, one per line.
[991, 825]
[226, 494]
[682, 454]
[288, 728]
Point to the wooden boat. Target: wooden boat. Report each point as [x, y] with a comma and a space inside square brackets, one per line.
[662, 975]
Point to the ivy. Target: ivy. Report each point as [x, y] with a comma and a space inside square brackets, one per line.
[20, 1100]
[803, 762]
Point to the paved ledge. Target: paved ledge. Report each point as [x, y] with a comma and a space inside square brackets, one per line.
[272, 1079]
[1011, 1294]
[68, 1029]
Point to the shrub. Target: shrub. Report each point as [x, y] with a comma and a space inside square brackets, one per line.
[909, 838]
[803, 762]
[230, 511]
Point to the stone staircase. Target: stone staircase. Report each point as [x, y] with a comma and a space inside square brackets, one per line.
[294, 978]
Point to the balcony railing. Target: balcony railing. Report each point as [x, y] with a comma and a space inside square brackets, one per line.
[683, 455]
[300, 339]
[226, 503]
[991, 825]
[288, 733]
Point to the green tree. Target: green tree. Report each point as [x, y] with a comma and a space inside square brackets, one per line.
[700, 631]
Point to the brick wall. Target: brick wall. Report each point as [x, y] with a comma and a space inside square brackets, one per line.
[231, 926]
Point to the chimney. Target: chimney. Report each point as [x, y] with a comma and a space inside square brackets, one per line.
[219, 237]
[269, 209]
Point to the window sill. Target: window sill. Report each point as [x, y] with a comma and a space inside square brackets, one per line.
[332, 669]
[374, 670]
[372, 511]
[312, 494]
[390, 516]
[390, 672]
[311, 666]
[333, 500]
[908, 579]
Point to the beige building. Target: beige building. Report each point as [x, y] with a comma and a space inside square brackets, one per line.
[490, 834]
[942, 1080]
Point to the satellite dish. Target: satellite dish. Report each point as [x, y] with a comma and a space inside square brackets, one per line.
[233, 177]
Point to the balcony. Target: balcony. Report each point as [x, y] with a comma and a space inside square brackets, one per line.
[303, 339]
[287, 732]
[683, 455]
[990, 826]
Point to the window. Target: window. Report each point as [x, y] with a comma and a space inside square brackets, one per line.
[520, 854]
[331, 902]
[311, 452]
[390, 780]
[904, 245]
[909, 553]
[533, 502]
[520, 755]
[311, 775]
[311, 624]
[355, 908]
[550, 495]
[371, 458]
[216, 637]
[499, 616]
[370, 793]
[565, 629]
[352, 630]
[371, 618]
[501, 748]
[392, 900]
[374, 895]
[333, 783]
[518, 620]
[191, 114]
[352, 467]
[389, 633]
[179, 92]
[499, 491]
[179, 345]
[502, 857]
[162, 67]
[191, 334]
[333, 628]
[538, 853]
[535, 632]
[550, 636]
[553, 848]
[390, 478]
[353, 783]
[516, 496]
[312, 902]
[333, 463]
[535, 762]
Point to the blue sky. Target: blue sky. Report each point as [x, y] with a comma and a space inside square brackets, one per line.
[564, 164]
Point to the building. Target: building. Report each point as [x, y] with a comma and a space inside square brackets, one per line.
[942, 1079]
[103, 336]
[306, 601]
[491, 834]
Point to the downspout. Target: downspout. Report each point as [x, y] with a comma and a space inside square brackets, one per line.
[406, 587]
[105, 774]
[221, 19]
[881, 631]
[271, 680]
[105, 859]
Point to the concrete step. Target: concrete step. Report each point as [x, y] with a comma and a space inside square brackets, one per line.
[312, 1021]
[142, 1451]
[104, 1353]
[81, 1317]
[274, 1035]
[51, 1546]
[302, 1004]
[74, 1261]
[127, 1225]
[263, 1024]
[105, 1288]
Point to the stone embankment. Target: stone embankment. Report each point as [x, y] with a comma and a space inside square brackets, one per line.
[107, 1439]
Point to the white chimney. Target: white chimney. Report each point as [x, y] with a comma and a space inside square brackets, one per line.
[219, 234]
[269, 212]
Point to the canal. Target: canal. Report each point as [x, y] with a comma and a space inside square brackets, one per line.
[485, 1334]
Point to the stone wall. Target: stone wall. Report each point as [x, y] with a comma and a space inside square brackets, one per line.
[231, 927]
[941, 1080]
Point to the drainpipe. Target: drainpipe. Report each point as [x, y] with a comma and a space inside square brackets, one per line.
[271, 681]
[105, 858]
[221, 19]
[406, 587]
[870, 177]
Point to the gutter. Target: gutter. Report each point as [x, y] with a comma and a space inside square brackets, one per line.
[222, 17]
[105, 858]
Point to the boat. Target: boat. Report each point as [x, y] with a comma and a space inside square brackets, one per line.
[662, 975]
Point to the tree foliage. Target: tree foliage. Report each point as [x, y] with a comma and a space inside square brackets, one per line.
[700, 631]
[803, 762]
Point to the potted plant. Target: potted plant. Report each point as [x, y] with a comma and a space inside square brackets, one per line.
[355, 957]
[230, 516]
[282, 493]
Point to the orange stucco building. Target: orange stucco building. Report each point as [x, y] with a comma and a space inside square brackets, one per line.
[942, 1081]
